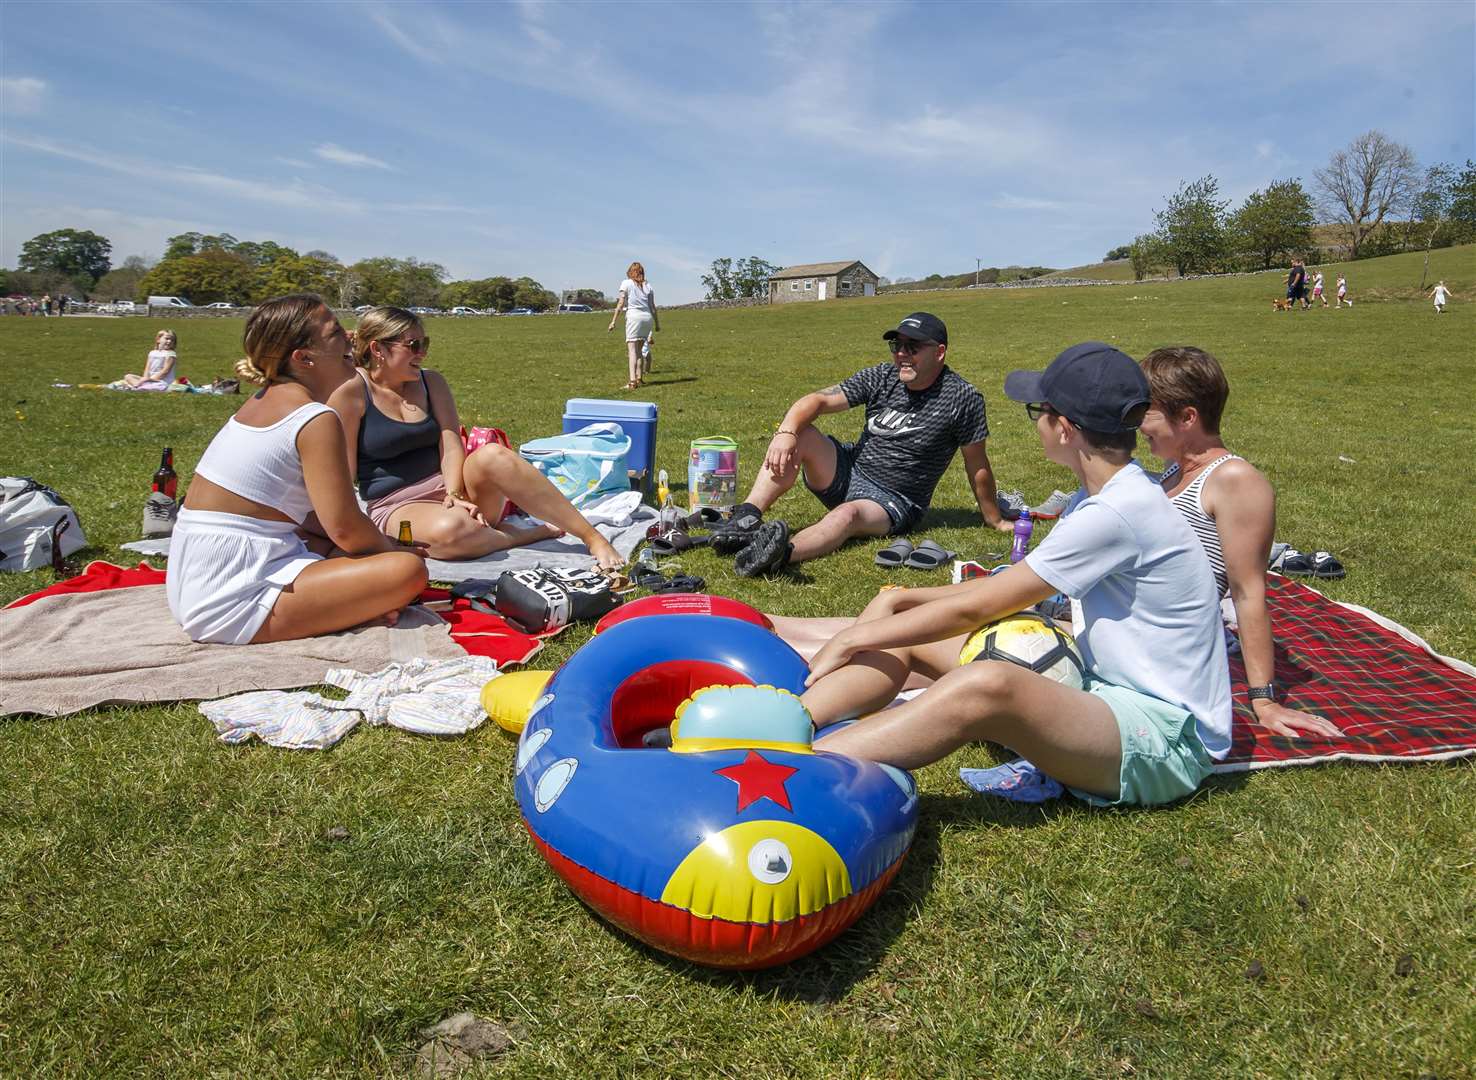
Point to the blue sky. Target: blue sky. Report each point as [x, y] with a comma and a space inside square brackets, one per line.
[563, 140]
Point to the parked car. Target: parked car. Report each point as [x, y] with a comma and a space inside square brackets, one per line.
[169, 301]
[521, 311]
[362, 308]
[221, 305]
[574, 308]
[118, 307]
[462, 309]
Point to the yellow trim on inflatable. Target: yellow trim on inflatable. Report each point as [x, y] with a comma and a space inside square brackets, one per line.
[759, 872]
[681, 745]
[508, 698]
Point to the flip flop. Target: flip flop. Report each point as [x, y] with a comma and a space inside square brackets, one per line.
[1319, 564]
[928, 556]
[894, 554]
[675, 542]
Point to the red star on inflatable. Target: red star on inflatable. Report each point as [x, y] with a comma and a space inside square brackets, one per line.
[758, 779]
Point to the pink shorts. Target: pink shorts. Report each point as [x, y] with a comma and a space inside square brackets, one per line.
[382, 510]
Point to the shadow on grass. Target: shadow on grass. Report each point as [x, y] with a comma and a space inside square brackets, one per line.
[827, 976]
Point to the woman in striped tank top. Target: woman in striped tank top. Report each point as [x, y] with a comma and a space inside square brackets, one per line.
[1230, 506]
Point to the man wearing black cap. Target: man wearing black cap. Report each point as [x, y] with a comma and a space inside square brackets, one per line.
[918, 413]
[1154, 710]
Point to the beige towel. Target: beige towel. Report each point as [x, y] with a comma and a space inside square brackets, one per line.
[70, 652]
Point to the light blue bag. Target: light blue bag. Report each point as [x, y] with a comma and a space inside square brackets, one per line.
[585, 464]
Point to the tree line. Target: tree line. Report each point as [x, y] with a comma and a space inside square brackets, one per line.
[1371, 195]
[210, 268]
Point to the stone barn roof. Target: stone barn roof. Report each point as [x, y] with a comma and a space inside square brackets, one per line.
[813, 270]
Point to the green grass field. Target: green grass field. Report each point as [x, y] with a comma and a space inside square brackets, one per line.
[171, 906]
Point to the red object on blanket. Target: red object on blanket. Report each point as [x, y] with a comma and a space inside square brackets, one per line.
[474, 631]
[1393, 700]
[97, 577]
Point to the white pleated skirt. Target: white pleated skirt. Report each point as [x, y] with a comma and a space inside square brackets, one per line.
[227, 570]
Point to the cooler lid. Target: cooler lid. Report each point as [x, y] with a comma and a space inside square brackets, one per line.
[603, 409]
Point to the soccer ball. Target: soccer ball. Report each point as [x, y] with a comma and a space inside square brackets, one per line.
[1033, 642]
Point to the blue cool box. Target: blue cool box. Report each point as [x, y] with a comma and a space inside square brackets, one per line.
[636, 418]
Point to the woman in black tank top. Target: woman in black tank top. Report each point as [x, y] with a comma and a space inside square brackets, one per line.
[406, 454]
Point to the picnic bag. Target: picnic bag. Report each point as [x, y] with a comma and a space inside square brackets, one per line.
[37, 526]
[541, 600]
[583, 464]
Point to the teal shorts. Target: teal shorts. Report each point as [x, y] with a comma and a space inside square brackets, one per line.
[1163, 758]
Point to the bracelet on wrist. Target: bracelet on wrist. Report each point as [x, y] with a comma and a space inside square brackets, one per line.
[786, 431]
[1261, 693]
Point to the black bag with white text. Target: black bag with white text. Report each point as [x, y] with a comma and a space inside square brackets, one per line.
[542, 600]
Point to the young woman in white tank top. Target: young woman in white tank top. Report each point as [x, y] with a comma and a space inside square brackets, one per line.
[240, 569]
[1230, 506]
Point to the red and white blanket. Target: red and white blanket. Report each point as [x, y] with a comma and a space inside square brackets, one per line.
[1395, 698]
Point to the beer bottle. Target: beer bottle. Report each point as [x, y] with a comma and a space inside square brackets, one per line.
[165, 479]
[404, 537]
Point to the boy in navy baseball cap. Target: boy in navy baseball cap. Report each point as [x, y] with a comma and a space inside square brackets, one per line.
[1153, 712]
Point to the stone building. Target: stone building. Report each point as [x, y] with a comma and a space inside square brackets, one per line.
[821, 281]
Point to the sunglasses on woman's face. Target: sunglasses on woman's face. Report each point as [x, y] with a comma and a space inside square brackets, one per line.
[419, 345]
[1037, 409]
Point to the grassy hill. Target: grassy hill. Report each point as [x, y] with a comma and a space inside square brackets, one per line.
[172, 907]
[987, 275]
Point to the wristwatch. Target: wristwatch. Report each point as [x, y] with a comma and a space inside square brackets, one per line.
[1261, 693]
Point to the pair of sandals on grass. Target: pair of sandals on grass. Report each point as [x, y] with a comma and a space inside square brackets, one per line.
[925, 555]
[1286, 559]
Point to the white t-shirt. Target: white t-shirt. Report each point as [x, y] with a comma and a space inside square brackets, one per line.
[159, 363]
[638, 298]
[1148, 597]
[1441, 292]
[1317, 283]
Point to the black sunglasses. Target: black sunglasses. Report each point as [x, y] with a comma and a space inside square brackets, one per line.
[415, 344]
[898, 346]
[1036, 409]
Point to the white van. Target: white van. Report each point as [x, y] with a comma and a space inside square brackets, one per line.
[169, 301]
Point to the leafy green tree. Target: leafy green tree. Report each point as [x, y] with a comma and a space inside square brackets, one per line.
[593, 297]
[719, 283]
[531, 294]
[401, 282]
[293, 273]
[192, 243]
[1364, 182]
[211, 275]
[751, 276]
[1123, 252]
[79, 254]
[1147, 255]
[1463, 204]
[1274, 223]
[122, 283]
[1191, 227]
[263, 252]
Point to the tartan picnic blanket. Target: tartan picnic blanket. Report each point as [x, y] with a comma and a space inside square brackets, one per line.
[1395, 698]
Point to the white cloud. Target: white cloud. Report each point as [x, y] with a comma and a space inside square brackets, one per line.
[21, 95]
[341, 156]
[1005, 201]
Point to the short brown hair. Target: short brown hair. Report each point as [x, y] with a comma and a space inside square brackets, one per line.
[1180, 376]
[273, 331]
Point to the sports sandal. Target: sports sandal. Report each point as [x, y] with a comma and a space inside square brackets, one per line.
[894, 554]
[767, 553]
[1319, 564]
[928, 556]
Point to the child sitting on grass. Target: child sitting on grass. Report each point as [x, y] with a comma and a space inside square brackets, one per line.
[1155, 710]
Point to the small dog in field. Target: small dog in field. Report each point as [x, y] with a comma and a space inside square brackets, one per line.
[1281, 305]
